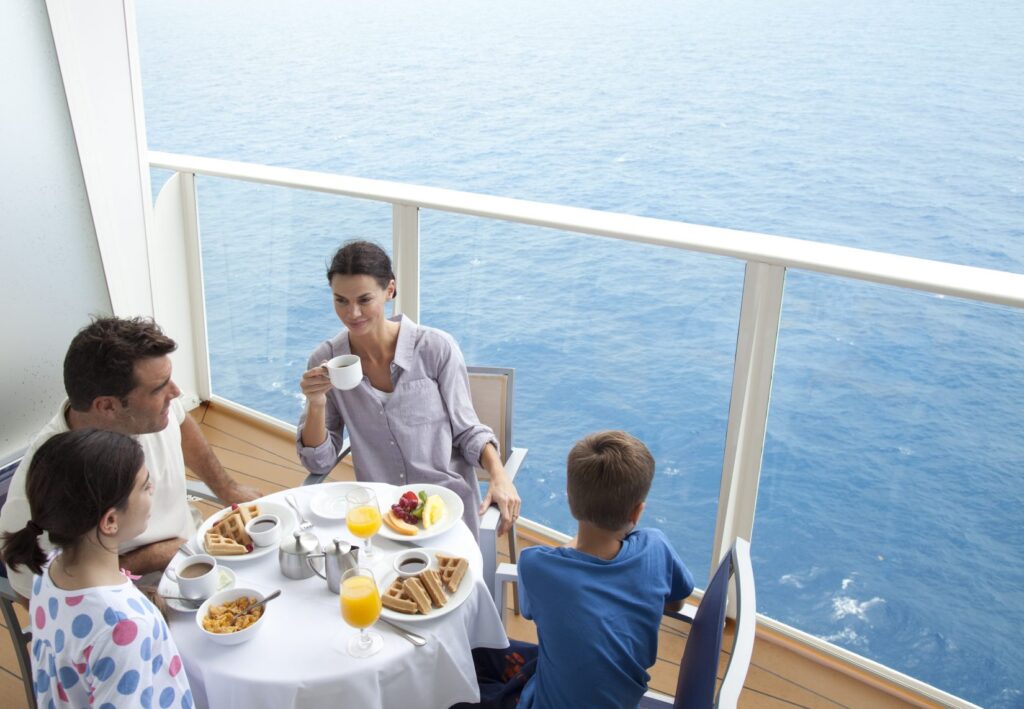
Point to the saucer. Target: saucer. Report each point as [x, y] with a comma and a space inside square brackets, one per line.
[170, 588]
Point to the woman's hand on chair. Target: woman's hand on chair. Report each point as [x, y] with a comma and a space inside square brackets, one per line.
[502, 493]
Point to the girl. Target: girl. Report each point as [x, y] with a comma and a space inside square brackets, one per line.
[96, 640]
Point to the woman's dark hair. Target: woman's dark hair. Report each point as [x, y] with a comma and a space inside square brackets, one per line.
[362, 258]
[74, 478]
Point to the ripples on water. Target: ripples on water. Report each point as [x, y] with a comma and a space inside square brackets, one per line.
[888, 516]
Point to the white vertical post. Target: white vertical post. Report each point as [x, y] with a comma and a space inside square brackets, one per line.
[405, 245]
[757, 336]
[179, 299]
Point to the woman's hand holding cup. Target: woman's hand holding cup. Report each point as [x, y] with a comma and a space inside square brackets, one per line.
[315, 384]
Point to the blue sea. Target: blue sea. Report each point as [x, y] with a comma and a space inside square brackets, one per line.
[889, 514]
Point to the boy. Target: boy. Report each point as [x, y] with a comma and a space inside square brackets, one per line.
[598, 604]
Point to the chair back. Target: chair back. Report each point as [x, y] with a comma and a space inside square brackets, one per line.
[698, 670]
[20, 638]
[491, 389]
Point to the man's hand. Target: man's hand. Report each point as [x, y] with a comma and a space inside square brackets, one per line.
[152, 557]
[238, 494]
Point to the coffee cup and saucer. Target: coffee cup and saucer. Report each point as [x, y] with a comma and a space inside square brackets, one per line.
[192, 580]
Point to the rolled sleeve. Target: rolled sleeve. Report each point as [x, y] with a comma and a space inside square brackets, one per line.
[321, 459]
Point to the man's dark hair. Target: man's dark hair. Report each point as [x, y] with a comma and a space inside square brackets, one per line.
[101, 359]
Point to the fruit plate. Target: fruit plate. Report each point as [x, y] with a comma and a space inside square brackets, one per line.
[385, 573]
[329, 502]
[453, 512]
[169, 587]
[283, 513]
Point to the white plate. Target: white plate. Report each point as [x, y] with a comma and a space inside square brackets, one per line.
[453, 514]
[170, 588]
[385, 573]
[283, 512]
[329, 502]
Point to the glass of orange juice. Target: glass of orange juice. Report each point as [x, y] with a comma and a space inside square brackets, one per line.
[360, 607]
[363, 516]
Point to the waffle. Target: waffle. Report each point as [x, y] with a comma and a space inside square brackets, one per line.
[452, 570]
[233, 527]
[414, 589]
[249, 512]
[223, 546]
[432, 582]
[396, 599]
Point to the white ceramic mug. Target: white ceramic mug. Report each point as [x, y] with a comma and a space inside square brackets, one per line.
[197, 576]
[345, 371]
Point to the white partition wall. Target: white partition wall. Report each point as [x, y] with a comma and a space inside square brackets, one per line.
[74, 194]
[51, 270]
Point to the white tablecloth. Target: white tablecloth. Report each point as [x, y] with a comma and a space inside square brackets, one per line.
[295, 661]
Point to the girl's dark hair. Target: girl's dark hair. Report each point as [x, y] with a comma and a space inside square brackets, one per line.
[74, 478]
[362, 258]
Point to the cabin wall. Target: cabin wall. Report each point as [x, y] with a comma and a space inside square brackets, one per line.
[51, 271]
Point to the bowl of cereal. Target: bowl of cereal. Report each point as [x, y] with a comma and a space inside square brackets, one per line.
[216, 617]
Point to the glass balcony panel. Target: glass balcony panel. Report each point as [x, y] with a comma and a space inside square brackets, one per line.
[268, 304]
[602, 334]
[889, 507]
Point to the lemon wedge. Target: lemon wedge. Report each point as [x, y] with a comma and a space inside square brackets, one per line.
[433, 511]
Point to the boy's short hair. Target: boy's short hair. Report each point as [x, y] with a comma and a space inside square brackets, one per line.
[608, 474]
[101, 358]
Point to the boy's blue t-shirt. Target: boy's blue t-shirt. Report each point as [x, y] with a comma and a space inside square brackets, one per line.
[597, 621]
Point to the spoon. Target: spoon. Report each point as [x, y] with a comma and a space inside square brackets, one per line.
[257, 604]
[415, 639]
[187, 602]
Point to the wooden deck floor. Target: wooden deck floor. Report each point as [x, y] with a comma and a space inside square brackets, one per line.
[778, 676]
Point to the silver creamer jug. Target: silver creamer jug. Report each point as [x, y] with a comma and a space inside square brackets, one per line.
[338, 558]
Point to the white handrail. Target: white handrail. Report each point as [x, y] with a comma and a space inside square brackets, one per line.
[987, 285]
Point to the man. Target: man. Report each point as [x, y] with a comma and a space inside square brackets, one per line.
[117, 374]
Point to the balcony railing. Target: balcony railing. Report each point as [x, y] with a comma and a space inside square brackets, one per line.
[766, 258]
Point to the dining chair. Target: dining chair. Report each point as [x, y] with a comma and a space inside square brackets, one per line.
[698, 668]
[21, 638]
[492, 390]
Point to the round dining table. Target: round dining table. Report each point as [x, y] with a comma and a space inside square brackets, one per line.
[298, 659]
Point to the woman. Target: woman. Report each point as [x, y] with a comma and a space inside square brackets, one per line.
[96, 640]
[411, 419]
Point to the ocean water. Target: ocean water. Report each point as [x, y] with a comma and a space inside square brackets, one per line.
[888, 518]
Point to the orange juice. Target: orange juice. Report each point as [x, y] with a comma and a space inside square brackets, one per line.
[363, 521]
[360, 601]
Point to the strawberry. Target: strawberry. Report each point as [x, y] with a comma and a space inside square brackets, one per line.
[411, 497]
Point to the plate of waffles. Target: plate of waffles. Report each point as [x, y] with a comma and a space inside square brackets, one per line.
[438, 590]
[223, 534]
[443, 506]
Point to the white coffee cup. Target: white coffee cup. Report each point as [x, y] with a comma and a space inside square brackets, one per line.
[197, 576]
[345, 371]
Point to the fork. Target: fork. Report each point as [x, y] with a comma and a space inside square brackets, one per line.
[304, 523]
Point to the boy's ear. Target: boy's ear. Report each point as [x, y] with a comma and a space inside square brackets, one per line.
[637, 512]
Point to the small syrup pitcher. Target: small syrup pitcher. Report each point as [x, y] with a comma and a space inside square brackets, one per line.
[339, 557]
